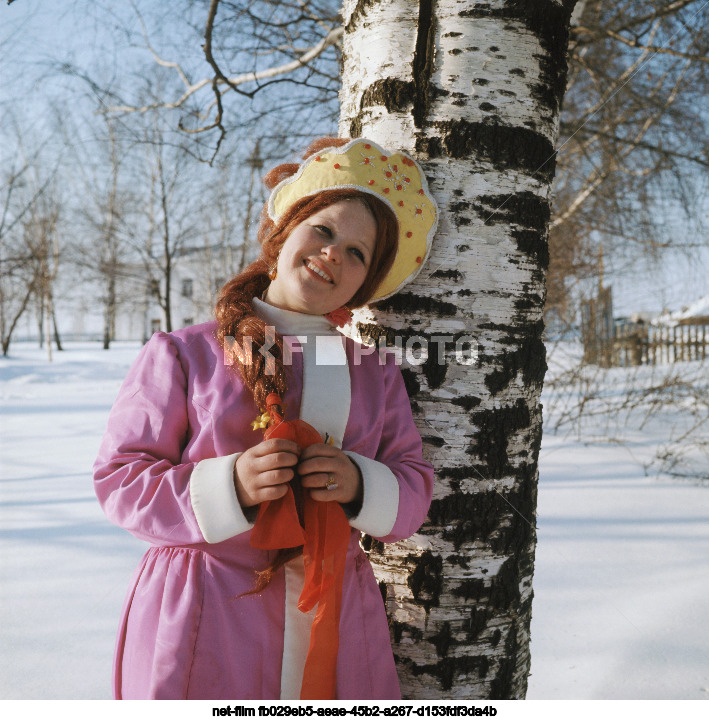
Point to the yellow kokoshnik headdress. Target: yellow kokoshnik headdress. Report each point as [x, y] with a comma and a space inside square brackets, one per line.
[394, 177]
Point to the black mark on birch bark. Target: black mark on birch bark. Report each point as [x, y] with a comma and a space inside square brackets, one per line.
[453, 670]
[443, 639]
[401, 629]
[529, 301]
[356, 127]
[505, 147]
[383, 591]
[527, 358]
[458, 560]
[524, 209]
[477, 622]
[411, 304]
[429, 147]
[501, 685]
[487, 516]
[433, 371]
[504, 587]
[499, 593]
[422, 65]
[426, 579]
[466, 402]
[394, 94]
[435, 441]
[373, 332]
[495, 427]
[447, 274]
[470, 589]
[370, 545]
[411, 381]
[534, 244]
[359, 12]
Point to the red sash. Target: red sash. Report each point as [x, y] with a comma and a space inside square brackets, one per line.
[324, 536]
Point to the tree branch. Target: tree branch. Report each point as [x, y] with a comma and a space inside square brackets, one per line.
[657, 14]
[656, 48]
[647, 146]
[233, 83]
[597, 177]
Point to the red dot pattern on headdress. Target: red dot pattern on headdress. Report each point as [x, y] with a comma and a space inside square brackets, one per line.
[367, 166]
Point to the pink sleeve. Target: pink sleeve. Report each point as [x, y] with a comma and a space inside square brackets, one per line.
[139, 479]
[398, 483]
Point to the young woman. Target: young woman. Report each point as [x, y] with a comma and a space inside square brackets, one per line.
[255, 586]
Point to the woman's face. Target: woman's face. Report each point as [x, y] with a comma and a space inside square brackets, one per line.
[325, 259]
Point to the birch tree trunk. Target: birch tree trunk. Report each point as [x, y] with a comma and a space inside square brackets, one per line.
[472, 90]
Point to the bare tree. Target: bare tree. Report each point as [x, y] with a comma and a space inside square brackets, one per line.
[104, 200]
[633, 140]
[474, 90]
[110, 243]
[228, 224]
[16, 277]
[229, 65]
[27, 178]
[41, 239]
[170, 217]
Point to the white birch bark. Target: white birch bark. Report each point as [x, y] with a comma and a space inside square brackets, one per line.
[472, 90]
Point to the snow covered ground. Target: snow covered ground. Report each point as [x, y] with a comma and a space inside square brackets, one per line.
[621, 604]
[64, 569]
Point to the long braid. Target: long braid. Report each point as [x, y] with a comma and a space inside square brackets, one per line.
[239, 325]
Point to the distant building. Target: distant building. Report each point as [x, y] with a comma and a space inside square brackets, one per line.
[694, 313]
[198, 276]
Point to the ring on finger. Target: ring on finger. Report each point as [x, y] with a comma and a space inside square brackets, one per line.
[331, 484]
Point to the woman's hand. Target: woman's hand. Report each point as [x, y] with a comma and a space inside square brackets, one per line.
[321, 463]
[263, 472]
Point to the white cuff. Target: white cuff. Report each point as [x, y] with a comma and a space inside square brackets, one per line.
[380, 504]
[214, 502]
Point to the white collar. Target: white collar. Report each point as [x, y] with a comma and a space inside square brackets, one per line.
[290, 322]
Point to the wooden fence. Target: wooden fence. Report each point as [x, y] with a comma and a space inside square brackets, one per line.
[639, 344]
[608, 342]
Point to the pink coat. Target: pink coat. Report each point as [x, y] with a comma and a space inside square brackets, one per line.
[164, 473]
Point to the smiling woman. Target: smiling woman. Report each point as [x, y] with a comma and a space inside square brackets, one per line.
[325, 259]
[255, 586]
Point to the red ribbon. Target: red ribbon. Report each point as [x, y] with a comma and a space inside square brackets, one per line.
[324, 535]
